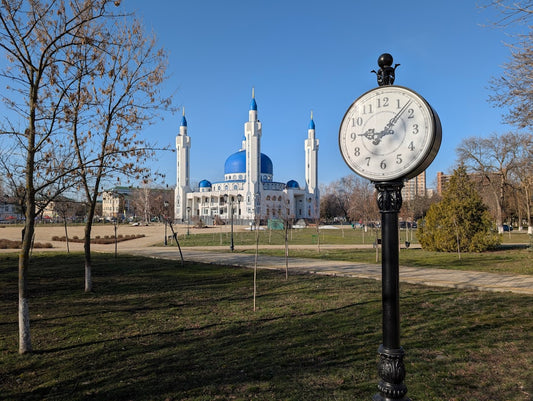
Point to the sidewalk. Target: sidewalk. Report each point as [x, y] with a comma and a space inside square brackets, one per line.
[521, 284]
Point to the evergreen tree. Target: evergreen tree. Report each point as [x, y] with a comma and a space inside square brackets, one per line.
[460, 221]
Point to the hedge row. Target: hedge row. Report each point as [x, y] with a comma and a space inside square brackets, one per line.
[9, 244]
[107, 239]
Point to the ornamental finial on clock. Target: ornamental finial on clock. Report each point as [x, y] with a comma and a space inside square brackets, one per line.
[386, 73]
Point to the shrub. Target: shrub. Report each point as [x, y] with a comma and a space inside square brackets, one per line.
[460, 222]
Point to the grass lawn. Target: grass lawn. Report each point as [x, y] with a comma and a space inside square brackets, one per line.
[153, 330]
[516, 259]
[307, 236]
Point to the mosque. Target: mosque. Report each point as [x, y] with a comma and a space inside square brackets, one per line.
[248, 192]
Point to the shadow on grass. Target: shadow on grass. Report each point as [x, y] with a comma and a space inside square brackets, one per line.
[155, 331]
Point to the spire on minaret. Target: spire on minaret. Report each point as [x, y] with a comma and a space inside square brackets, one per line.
[183, 119]
[252, 114]
[311, 123]
[253, 104]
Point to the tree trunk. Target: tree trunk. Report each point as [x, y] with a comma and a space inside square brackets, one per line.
[29, 229]
[286, 249]
[528, 209]
[24, 263]
[88, 266]
[23, 308]
[87, 246]
[66, 233]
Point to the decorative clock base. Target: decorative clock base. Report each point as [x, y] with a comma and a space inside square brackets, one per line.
[391, 370]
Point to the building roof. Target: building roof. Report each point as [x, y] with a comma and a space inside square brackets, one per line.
[293, 184]
[236, 163]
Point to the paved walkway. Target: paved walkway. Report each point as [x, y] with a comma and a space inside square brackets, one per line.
[521, 284]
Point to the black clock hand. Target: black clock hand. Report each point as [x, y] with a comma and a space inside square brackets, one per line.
[376, 136]
[387, 130]
[370, 133]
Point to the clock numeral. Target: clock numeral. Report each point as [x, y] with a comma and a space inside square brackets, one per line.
[384, 102]
[357, 121]
[410, 113]
[367, 109]
[367, 161]
[399, 159]
[383, 165]
[398, 104]
[357, 152]
[353, 135]
[415, 129]
[411, 146]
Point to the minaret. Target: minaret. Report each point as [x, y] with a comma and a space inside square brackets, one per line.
[252, 133]
[311, 168]
[183, 146]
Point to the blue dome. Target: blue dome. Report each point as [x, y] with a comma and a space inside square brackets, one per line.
[183, 122]
[236, 164]
[311, 124]
[293, 184]
[204, 184]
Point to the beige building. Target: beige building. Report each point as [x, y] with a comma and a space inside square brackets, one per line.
[414, 187]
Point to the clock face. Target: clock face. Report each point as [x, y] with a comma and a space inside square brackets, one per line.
[389, 133]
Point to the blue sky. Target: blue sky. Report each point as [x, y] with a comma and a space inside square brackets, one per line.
[316, 55]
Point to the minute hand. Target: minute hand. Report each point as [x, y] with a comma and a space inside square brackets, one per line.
[387, 130]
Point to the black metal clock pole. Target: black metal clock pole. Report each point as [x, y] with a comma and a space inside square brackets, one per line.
[391, 368]
[381, 139]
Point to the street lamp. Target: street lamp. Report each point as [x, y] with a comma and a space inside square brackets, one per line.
[188, 219]
[230, 198]
[230, 211]
[239, 199]
[165, 205]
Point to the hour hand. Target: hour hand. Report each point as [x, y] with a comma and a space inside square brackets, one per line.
[374, 136]
[369, 134]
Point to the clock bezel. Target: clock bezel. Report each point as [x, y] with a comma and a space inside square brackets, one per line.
[426, 158]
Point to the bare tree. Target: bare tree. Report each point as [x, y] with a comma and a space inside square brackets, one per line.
[363, 204]
[37, 38]
[522, 176]
[493, 160]
[513, 90]
[63, 207]
[117, 93]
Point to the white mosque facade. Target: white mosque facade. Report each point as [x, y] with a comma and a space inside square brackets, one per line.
[248, 192]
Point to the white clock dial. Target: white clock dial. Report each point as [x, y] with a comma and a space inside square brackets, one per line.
[389, 133]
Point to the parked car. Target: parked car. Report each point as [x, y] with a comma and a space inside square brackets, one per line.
[507, 228]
